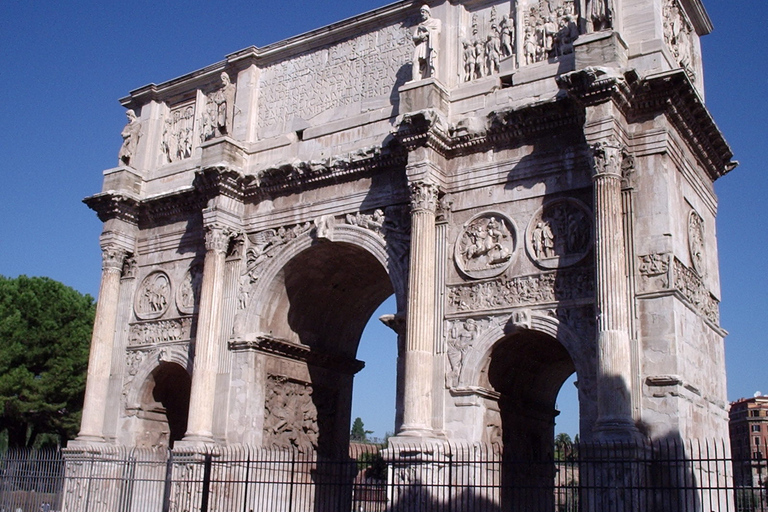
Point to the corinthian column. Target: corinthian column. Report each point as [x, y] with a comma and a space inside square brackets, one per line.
[207, 342]
[420, 322]
[100, 360]
[614, 373]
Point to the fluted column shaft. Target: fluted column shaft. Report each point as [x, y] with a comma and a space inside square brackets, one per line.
[202, 393]
[420, 323]
[102, 341]
[614, 379]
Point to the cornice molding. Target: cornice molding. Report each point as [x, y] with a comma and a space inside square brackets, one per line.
[111, 205]
[284, 348]
[671, 93]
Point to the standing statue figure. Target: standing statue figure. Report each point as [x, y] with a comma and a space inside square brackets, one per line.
[601, 14]
[224, 99]
[493, 50]
[507, 28]
[130, 135]
[426, 40]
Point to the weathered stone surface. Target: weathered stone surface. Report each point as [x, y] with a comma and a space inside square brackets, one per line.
[533, 181]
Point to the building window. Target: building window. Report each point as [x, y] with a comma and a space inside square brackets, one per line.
[755, 428]
[754, 414]
[757, 441]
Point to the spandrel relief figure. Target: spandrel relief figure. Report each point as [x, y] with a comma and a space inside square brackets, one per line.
[130, 135]
[426, 40]
[460, 339]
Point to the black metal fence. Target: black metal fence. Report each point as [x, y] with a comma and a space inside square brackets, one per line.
[446, 477]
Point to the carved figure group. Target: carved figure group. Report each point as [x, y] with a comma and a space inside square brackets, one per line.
[130, 135]
[486, 243]
[482, 56]
[290, 416]
[550, 31]
[426, 39]
[177, 134]
[153, 296]
[562, 230]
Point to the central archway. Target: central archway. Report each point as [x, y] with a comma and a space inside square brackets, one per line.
[319, 302]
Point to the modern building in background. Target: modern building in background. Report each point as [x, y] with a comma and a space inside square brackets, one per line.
[748, 426]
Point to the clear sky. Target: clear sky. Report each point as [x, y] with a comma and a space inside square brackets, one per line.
[65, 64]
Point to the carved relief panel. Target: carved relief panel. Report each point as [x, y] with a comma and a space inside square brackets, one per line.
[679, 36]
[153, 296]
[560, 233]
[486, 245]
[366, 66]
[291, 412]
[696, 242]
[178, 133]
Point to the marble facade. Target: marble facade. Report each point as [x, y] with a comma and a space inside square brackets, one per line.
[532, 180]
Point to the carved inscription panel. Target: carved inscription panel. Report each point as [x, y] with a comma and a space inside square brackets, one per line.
[342, 74]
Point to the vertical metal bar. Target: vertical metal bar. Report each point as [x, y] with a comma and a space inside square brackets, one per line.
[206, 482]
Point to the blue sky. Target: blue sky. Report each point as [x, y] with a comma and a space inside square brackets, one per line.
[65, 64]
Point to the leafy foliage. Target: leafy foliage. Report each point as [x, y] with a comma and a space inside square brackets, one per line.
[358, 432]
[45, 332]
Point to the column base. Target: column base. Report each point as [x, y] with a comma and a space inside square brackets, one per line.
[83, 441]
[617, 430]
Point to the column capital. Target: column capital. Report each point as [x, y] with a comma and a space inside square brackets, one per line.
[609, 158]
[217, 238]
[112, 258]
[424, 196]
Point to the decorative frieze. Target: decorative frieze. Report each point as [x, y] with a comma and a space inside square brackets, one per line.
[153, 296]
[485, 245]
[508, 292]
[161, 331]
[690, 285]
[560, 233]
[663, 273]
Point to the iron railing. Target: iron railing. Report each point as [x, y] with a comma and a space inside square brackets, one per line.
[668, 476]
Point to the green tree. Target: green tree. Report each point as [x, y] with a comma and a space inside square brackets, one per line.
[358, 432]
[563, 445]
[45, 332]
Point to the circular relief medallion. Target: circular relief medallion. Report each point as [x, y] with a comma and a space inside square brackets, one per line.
[485, 246]
[153, 296]
[188, 292]
[560, 233]
[696, 241]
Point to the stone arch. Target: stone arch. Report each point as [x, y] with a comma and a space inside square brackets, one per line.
[162, 402]
[580, 348]
[249, 320]
[523, 363]
[310, 306]
[149, 362]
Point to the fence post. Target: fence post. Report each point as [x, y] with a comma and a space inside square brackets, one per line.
[206, 482]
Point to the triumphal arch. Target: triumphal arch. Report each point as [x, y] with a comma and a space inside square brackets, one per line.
[531, 179]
